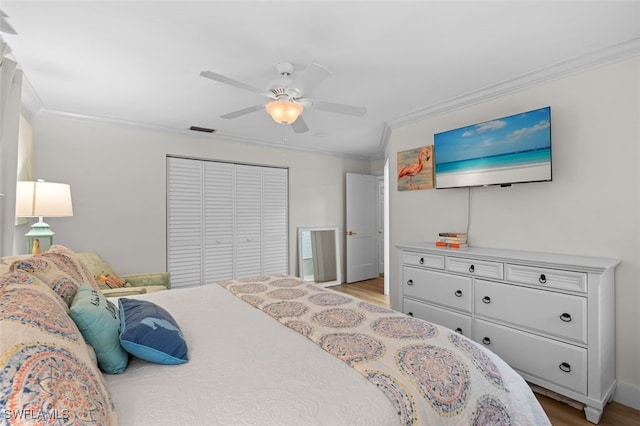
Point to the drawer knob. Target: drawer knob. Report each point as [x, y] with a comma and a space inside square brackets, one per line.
[542, 279]
[422, 260]
[486, 341]
[410, 314]
[486, 300]
[565, 367]
[410, 282]
[472, 269]
[458, 330]
[458, 293]
[565, 317]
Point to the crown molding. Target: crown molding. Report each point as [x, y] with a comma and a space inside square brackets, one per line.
[553, 72]
[32, 104]
[217, 135]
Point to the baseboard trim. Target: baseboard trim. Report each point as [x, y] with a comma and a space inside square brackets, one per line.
[627, 394]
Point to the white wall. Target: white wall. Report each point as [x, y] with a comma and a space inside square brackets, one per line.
[117, 176]
[590, 208]
[118, 183]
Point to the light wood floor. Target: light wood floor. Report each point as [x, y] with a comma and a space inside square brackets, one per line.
[560, 414]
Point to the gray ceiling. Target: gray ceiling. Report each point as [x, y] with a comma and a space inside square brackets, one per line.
[139, 62]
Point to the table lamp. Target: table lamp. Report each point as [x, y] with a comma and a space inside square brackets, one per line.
[42, 199]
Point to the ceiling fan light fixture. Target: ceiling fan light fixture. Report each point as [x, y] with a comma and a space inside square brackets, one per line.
[284, 112]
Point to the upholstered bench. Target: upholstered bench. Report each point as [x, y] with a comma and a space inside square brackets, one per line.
[114, 285]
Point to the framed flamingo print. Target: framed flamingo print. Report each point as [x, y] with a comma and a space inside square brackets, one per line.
[415, 169]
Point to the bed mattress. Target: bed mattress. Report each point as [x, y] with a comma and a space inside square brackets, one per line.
[246, 368]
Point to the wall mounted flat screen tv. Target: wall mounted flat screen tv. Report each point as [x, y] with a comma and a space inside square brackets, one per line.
[513, 149]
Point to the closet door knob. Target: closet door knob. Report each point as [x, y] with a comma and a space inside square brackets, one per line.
[422, 260]
[565, 317]
[472, 269]
[542, 279]
[458, 293]
[410, 282]
[486, 299]
[410, 314]
[486, 341]
[565, 367]
[458, 330]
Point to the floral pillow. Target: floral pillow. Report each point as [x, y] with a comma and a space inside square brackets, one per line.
[47, 272]
[46, 366]
[68, 261]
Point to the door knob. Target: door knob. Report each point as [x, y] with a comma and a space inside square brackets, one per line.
[351, 233]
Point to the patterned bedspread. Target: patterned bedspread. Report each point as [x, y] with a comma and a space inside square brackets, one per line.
[430, 373]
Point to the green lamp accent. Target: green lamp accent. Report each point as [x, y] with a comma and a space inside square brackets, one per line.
[42, 199]
[39, 231]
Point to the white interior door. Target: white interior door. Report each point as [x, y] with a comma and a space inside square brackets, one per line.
[184, 222]
[218, 216]
[362, 234]
[248, 217]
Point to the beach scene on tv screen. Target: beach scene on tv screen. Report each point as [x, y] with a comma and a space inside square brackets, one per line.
[511, 149]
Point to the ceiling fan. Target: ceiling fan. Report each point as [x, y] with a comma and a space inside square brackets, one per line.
[286, 95]
[4, 25]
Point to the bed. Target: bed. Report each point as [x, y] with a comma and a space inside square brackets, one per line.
[277, 350]
[263, 350]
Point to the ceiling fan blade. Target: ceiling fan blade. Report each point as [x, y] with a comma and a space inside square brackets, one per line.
[312, 74]
[340, 108]
[299, 126]
[242, 111]
[4, 25]
[226, 80]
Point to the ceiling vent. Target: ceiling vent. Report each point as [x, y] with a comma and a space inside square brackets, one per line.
[201, 129]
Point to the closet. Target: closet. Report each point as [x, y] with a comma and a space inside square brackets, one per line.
[225, 221]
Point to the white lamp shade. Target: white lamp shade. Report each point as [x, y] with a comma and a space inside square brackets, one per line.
[43, 199]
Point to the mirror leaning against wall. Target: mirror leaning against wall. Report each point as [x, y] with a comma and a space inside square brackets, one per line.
[319, 255]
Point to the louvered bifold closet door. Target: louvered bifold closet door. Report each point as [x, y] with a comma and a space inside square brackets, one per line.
[225, 221]
[275, 221]
[184, 221]
[218, 221]
[248, 215]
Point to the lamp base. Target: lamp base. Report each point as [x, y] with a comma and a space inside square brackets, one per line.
[39, 231]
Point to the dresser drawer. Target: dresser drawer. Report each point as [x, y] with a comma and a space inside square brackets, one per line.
[458, 322]
[546, 312]
[452, 291]
[559, 363]
[546, 277]
[420, 259]
[478, 268]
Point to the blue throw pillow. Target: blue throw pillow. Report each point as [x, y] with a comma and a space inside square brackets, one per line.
[99, 322]
[150, 332]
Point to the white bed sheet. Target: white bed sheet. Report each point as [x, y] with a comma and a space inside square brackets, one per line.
[245, 369]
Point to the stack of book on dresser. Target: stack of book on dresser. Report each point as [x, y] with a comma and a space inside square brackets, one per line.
[452, 239]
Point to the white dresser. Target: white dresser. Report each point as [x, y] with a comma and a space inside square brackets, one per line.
[551, 317]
